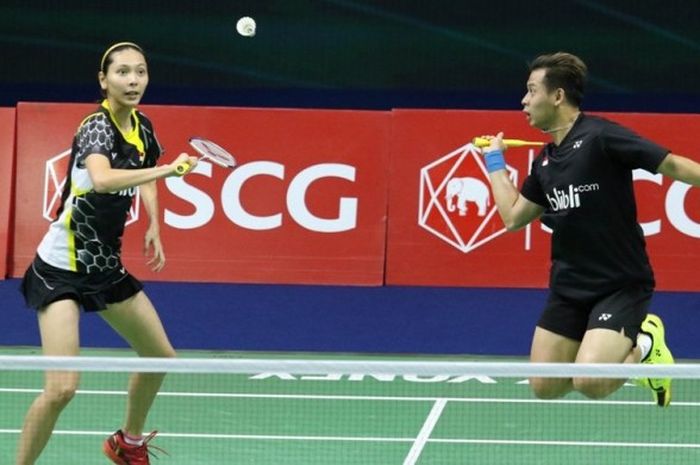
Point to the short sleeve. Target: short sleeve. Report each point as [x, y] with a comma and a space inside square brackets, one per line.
[95, 135]
[532, 189]
[630, 149]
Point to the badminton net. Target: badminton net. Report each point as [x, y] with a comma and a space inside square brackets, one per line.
[374, 410]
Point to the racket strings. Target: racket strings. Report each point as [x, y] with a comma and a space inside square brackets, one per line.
[213, 151]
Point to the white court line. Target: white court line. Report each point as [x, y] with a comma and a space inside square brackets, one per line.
[232, 436]
[490, 400]
[425, 432]
[517, 442]
[507, 442]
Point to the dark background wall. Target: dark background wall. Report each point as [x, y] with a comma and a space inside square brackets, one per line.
[643, 55]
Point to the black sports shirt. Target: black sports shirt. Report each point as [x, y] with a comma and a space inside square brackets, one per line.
[585, 185]
[86, 236]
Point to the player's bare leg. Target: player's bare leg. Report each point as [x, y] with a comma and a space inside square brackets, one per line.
[601, 345]
[58, 325]
[137, 321]
[549, 347]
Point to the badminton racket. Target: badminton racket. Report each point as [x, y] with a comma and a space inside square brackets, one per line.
[482, 142]
[210, 151]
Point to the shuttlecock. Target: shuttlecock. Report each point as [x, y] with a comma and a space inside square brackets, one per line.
[246, 26]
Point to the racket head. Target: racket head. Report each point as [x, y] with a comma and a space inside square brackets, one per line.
[212, 152]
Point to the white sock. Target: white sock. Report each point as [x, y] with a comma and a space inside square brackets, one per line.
[644, 343]
[132, 440]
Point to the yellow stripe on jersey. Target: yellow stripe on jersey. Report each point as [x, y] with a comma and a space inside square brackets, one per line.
[75, 192]
[132, 136]
[71, 240]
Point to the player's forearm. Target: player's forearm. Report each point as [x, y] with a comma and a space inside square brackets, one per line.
[681, 168]
[115, 180]
[149, 197]
[505, 195]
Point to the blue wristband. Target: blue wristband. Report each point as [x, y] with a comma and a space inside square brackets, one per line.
[494, 161]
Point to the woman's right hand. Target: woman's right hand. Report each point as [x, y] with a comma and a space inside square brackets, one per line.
[183, 164]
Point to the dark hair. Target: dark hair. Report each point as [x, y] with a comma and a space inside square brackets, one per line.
[107, 56]
[563, 70]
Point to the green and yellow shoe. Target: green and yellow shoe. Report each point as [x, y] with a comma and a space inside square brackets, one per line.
[659, 354]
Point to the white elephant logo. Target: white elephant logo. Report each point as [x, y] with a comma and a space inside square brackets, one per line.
[467, 190]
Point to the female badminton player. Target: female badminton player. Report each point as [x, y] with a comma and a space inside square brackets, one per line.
[77, 264]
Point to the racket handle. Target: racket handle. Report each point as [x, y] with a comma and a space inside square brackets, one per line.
[182, 168]
[482, 142]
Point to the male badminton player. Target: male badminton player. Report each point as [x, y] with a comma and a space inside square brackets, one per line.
[601, 280]
[78, 261]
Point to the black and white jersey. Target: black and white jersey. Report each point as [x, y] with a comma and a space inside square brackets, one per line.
[86, 236]
[585, 186]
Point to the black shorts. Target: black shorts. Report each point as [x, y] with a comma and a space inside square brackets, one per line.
[624, 309]
[44, 284]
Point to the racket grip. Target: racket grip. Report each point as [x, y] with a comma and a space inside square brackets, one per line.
[182, 168]
[481, 142]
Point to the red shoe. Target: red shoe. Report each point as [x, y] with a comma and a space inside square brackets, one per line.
[121, 453]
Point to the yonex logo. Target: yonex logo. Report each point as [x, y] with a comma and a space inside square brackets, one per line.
[604, 316]
[578, 143]
[455, 201]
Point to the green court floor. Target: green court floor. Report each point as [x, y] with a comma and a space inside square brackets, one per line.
[281, 418]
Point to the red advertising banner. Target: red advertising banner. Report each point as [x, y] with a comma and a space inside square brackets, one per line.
[444, 228]
[7, 153]
[306, 203]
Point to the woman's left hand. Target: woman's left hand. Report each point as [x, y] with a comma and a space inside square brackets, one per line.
[153, 248]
